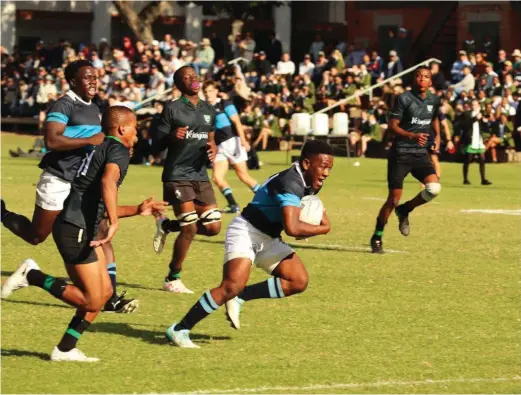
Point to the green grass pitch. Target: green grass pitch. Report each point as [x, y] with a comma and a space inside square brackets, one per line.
[440, 315]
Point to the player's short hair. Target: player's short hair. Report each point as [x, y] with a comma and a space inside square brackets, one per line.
[74, 67]
[211, 83]
[179, 74]
[422, 68]
[115, 116]
[315, 147]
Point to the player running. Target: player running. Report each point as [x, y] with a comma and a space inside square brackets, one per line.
[187, 129]
[72, 128]
[254, 237]
[232, 146]
[75, 229]
[414, 115]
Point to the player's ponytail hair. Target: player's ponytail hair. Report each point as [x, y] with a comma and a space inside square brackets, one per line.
[315, 147]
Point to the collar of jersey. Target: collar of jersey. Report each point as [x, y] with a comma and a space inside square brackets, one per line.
[299, 171]
[417, 94]
[74, 96]
[114, 138]
[187, 101]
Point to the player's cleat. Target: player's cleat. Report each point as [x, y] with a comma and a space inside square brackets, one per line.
[118, 304]
[160, 236]
[180, 338]
[466, 182]
[176, 286]
[73, 355]
[403, 221]
[233, 309]
[231, 209]
[486, 182]
[377, 246]
[18, 279]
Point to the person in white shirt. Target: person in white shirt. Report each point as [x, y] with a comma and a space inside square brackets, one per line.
[306, 67]
[285, 66]
[468, 83]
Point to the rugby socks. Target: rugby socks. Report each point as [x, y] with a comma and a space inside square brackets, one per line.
[379, 229]
[255, 188]
[227, 192]
[53, 285]
[199, 311]
[4, 212]
[111, 268]
[73, 333]
[173, 275]
[271, 288]
[171, 225]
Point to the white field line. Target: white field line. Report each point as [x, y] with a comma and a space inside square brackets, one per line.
[488, 211]
[338, 247]
[390, 383]
[380, 199]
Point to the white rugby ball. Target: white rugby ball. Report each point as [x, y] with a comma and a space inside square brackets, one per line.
[311, 210]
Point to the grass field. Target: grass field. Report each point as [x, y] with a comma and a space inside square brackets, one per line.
[440, 315]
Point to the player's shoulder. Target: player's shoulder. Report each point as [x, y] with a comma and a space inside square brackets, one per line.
[207, 106]
[292, 180]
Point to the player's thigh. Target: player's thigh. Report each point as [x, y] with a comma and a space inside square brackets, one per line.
[241, 169]
[270, 253]
[292, 269]
[397, 170]
[43, 221]
[423, 170]
[236, 273]
[181, 195]
[204, 196]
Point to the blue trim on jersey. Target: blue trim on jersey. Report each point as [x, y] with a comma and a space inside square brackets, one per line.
[57, 117]
[230, 110]
[81, 131]
[288, 199]
[222, 121]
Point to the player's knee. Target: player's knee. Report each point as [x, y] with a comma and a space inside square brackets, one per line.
[231, 289]
[189, 231]
[211, 220]
[94, 303]
[188, 223]
[213, 229]
[300, 283]
[108, 292]
[217, 180]
[432, 189]
[393, 201]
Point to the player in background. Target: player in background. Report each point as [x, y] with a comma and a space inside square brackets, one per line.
[92, 194]
[254, 238]
[187, 130]
[414, 116]
[232, 146]
[71, 130]
[434, 150]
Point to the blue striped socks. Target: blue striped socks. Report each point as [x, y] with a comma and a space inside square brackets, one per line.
[199, 311]
[271, 288]
[227, 192]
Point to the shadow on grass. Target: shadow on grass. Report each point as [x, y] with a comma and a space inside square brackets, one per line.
[137, 286]
[24, 353]
[149, 336]
[6, 273]
[61, 306]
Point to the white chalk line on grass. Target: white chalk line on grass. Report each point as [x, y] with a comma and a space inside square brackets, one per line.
[379, 199]
[492, 211]
[354, 385]
[338, 247]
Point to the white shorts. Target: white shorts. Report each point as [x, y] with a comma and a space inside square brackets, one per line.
[243, 240]
[51, 192]
[232, 151]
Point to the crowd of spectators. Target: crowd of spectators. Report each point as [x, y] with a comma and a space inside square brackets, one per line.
[268, 87]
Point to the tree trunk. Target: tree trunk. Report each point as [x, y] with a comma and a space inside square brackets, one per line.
[140, 24]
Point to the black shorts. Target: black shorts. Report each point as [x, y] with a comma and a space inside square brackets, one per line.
[400, 165]
[200, 192]
[73, 243]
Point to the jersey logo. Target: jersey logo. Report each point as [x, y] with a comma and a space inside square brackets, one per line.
[207, 118]
[429, 108]
[419, 121]
[192, 135]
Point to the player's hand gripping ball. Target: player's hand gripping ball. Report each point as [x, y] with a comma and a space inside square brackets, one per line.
[312, 210]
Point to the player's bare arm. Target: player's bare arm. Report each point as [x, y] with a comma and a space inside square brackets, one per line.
[394, 127]
[294, 227]
[437, 134]
[56, 141]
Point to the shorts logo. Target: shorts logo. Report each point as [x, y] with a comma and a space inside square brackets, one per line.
[207, 118]
[429, 108]
[177, 194]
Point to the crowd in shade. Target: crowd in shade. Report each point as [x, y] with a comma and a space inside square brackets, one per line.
[268, 86]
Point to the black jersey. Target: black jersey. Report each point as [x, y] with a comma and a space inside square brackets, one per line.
[187, 158]
[286, 188]
[223, 127]
[83, 120]
[84, 207]
[415, 115]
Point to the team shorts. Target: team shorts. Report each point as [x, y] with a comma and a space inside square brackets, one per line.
[200, 192]
[243, 240]
[73, 243]
[231, 150]
[400, 165]
[51, 192]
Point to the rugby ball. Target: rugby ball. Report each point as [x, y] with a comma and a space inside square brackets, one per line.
[311, 210]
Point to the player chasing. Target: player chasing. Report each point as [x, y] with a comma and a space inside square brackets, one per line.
[232, 146]
[187, 129]
[74, 231]
[254, 237]
[413, 117]
[72, 128]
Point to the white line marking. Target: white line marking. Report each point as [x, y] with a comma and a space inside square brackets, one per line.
[337, 247]
[487, 211]
[353, 385]
[373, 198]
